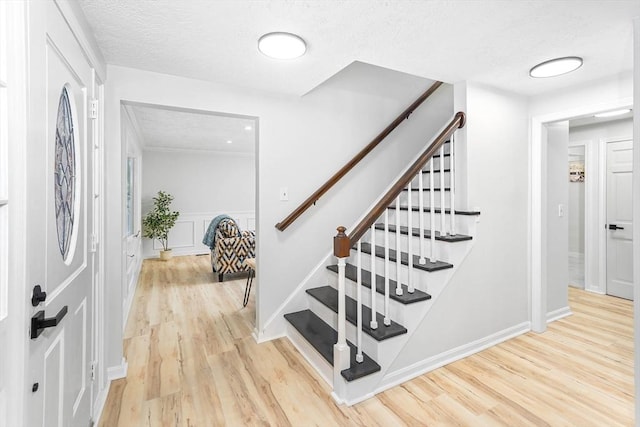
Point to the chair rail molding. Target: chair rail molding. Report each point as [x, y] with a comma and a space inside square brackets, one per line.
[186, 237]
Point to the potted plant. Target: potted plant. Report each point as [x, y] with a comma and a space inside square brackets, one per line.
[159, 221]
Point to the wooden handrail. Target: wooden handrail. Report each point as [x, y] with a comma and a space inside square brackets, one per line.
[342, 247]
[282, 225]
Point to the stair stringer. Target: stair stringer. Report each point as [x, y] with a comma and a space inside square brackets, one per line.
[276, 326]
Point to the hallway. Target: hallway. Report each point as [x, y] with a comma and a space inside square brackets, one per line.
[193, 362]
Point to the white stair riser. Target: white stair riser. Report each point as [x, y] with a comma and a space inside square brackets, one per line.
[375, 349]
[380, 265]
[464, 223]
[444, 251]
[425, 281]
[316, 360]
[404, 314]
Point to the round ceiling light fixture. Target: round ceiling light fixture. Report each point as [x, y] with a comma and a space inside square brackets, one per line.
[282, 45]
[556, 67]
[613, 113]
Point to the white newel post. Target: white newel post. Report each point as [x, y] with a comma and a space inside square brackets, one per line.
[341, 351]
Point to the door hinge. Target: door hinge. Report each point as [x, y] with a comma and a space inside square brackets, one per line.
[93, 109]
[93, 371]
[94, 242]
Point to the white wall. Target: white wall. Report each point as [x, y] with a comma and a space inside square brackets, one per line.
[204, 184]
[577, 100]
[557, 239]
[573, 102]
[302, 141]
[132, 240]
[617, 129]
[488, 293]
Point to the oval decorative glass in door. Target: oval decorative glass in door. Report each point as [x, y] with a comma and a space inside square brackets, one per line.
[65, 174]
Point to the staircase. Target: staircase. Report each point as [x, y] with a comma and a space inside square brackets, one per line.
[390, 271]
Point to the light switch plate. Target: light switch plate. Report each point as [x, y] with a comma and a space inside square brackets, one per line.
[284, 194]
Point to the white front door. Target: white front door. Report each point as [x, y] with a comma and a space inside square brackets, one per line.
[619, 219]
[59, 222]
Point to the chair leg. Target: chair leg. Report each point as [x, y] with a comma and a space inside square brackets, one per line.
[220, 277]
[247, 288]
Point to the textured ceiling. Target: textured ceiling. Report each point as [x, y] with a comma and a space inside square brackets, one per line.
[491, 42]
[163, 128]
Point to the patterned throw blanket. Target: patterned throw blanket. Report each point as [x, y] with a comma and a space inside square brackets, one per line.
[209, 238]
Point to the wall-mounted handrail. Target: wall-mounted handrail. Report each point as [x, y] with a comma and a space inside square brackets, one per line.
[342, 248]
[282, 225]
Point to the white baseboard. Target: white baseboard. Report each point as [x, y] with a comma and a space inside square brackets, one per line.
[311, 355]
[117, 372]
[558, 314]
[132, 285]
[98, 405]
[262, 337]
[405, 374]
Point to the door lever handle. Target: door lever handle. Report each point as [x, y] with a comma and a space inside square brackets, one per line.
[615, 227]
[39, 323]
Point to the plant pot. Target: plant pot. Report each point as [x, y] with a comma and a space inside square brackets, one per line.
[166, 255]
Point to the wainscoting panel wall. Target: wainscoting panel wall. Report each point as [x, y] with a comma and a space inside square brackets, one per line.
[186, 237]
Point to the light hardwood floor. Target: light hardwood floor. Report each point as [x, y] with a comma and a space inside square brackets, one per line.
[193, 362]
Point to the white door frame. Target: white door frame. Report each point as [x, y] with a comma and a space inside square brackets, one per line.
[17, 386]
[590, 196]
[537, 198]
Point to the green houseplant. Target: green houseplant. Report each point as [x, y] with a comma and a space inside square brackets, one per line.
[159, 221]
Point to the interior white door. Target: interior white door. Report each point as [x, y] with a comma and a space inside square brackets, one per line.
[59, 191]
[619, 219]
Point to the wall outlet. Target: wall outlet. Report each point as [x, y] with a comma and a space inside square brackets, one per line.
[284, 194]
[560, 210]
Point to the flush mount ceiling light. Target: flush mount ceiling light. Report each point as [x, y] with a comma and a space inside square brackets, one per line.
[613, 113]
[282, 45]
[229, 141]
[248, 127]
[556, 67]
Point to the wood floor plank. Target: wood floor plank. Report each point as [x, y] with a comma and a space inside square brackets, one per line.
[193, 362]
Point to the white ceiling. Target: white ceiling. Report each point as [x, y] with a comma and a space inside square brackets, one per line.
[169, 129]
[490, 42]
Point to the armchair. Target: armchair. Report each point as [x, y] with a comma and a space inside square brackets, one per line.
[231, 246]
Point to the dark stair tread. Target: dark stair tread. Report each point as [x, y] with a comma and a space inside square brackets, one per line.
[427, 189]
[329, 297]
[351, 273]
[427, 233]
[404, 259]
[323, 337]
[436, 210]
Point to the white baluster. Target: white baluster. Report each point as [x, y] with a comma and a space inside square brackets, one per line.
[443, 214]
[387, 319]
[432, 215]
[398, 286]
[452, 185]
[423, 242]
[374, 322]
[359, 357]
[409, 248]
[341, 351]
